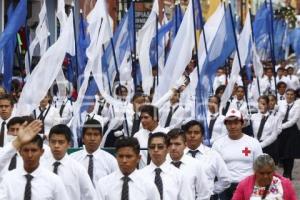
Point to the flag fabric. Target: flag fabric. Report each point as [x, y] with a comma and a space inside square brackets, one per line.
[46, 70]
[244, 44]
[8, 39]
[220, 48]
[41, 38]
[179, 56]
[145, 36]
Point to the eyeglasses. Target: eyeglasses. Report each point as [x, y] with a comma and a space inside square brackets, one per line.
[158, 146]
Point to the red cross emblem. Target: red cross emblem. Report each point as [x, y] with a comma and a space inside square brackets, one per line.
[246, 151]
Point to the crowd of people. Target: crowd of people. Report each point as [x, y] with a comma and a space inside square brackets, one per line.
[141, 149]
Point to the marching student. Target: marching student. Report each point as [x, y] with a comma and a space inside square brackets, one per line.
[33, 181]
[74, 176]
[238, 150]
[212, 163]
[6, 110]
[169, 180]
[190, 167]
[126, 183]
[97, 162]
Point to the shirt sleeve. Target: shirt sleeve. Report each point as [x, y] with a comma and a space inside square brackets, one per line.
[222, 174]
[202, 189]
[257, 149]
[293, 119]
[3, 191]
[6, 154]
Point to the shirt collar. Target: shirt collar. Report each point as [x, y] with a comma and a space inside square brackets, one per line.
[163, 167]
[35, 173]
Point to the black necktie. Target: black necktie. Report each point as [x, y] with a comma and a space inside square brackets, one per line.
[13, 163]
[2, 133]
[169, 118]
[286, 117]
[125, 188]
[136, 124]
[211, 125]
[27, 193]
[91, 167]
[176, 163]
[158, 182]
[193, 152]
[148, 155]
[55, 166]
[261, 127]
[62, 107]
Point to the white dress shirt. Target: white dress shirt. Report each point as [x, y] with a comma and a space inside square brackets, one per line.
[51, 117]
[219, 128]
[238, 155]
[294, 114]
[271, 130]
[75, 178]
[174, 183]
[7, 138]
[67, 112]
[142, 136]
[293, 82]
[197, 179]
[178, 115]
[104, 163]
[214, 166]
[44, 186]
[110, 187]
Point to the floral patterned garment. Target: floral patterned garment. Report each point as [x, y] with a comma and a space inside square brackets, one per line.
[275, 191]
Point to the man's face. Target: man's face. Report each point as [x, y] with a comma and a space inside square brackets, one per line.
[176, 148]
[45, 101]
[13, 129]
[290, 96]
[281, 89]
[234, 127]
[269, 73]
[5, 109]
[213, 105]
[59, 145]
[194, 137]
[148, 122]
[158, 151]
[262, 105]
[138, 102]
[175, 98]
[240, 93]
[127, 160]
[272, 102]
[264, 176]
[31, 154]
[92, 139]
[290, 71]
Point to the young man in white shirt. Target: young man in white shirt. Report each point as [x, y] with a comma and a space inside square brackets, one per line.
[149, 119]
[6, 109]
[190, 167]
[34, 181]
[211, 161]
[169, 180]
[97, 162]
[127, 183]
[74, 176]
[237, 149]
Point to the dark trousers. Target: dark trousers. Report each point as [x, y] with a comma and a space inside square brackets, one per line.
[228, 193]
[288, 165]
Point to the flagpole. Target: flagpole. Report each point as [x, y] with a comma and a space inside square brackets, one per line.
[239, 59]
[271, 39]
[253, 40]
[133, 54]
[75, 42]
[27, 42]
[156, 45]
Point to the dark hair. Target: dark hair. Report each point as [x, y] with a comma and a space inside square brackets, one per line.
[158, 135]
[7, 97]
[128, 142]
[264, 97]
[272, 95]
[150, 110]
[215, 96]
[61, 129]
[240, 87]
[280, 84]
[93, 124]
[175, 133]
[15, 120]
[220, 88]
[137, 95]
[120, 88]
[36, 140]
[290, 90]
[191, 123]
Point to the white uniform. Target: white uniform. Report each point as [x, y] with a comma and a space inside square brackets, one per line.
[7, 138]
[142, 136]
[214, 166]
[75, 178]
[238, 155]
[44, 185]
[219, 128]
[104, 163]
[271, 129]
[193, 171]
[293, 82]
[174, 182]
[178, 115]
[110, 187]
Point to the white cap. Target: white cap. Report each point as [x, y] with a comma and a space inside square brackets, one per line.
[289, 65]
[233, 113]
